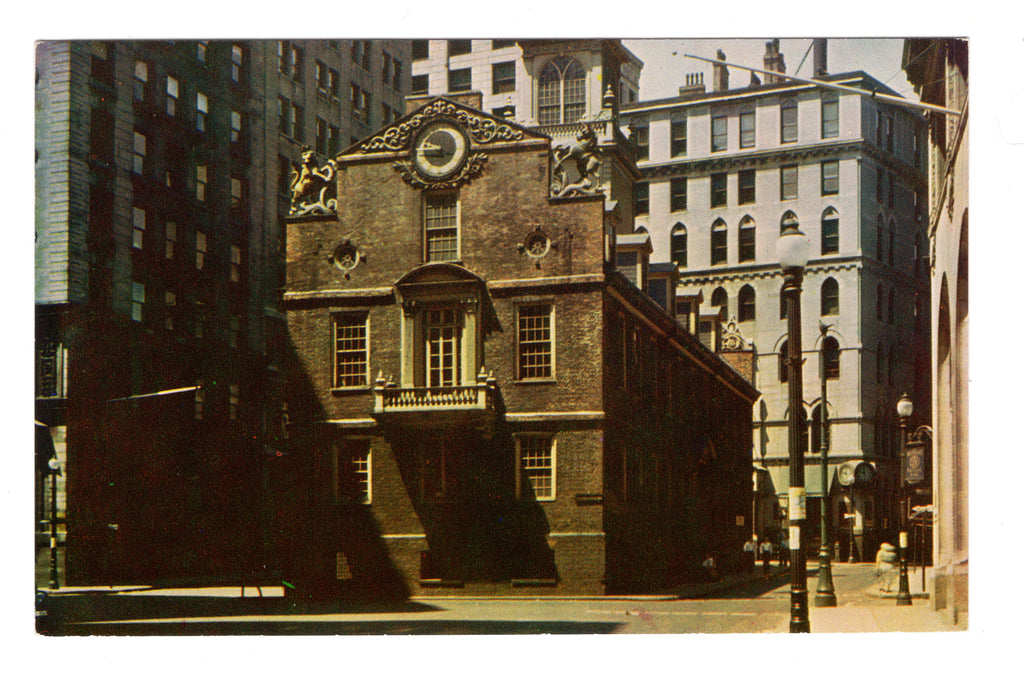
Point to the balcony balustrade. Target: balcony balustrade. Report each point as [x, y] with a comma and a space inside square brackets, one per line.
[388, 398]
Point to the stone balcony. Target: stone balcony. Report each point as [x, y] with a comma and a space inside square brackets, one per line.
[465, 404]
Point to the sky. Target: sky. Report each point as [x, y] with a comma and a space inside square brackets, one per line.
[665, 65]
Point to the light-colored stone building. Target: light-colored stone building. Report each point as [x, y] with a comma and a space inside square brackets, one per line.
[723, 169]
[938, 70]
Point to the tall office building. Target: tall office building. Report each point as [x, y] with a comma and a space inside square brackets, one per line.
[162, 173]
[724, 170]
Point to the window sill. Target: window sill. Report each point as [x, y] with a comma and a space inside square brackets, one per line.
[341, 391]
[538, 381]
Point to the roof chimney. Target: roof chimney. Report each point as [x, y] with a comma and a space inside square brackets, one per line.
[720, 74]
[820, 56]
[773, 61]
[694, 85]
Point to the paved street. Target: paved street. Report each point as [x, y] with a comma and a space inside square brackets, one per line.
[751, 604]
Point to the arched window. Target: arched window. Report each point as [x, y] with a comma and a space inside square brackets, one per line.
[784, 362]
[747, 305]
[641, 230]
[561, 95]
[830, 297]
[789, 218]
[720, 299]
[830, 351]
[719, 243]
[892, 305]
[880, 303]
[816, 429]
[678, 245]
[830, 231]
[748, 239]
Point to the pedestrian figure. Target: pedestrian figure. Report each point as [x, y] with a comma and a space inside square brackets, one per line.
[766, 556]
[783, 552]
[749, 552]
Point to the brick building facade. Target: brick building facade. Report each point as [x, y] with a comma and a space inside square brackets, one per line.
[478, 402]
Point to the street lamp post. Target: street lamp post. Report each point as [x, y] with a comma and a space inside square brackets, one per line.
[793, 250]
[904, 408]
[826, 593]
[54, 469]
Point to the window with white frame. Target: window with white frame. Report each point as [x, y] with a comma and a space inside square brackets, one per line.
[747, 130]
[237, 63]
[789, 121]
[678, 134]
[561, 94]
[745, 181]
[788, 183]
[748, 240]
[719, 243]
[443, 337]
[830, 115]
[170, 239]
[719, 189]
[747, 304]
[351, 349]
[138, 153]
[138, 227]
[354, 468]
[719, 133]
[141, 81]
[503, 77]
[535, 341]
[641, 141]
[200, 250]
[830, 231]
[201, 180]
[138, 301]
[441, 227]
[677, 194]
[170, 303]
[171, 103]
[830, 177]
[830, 297]
[536, 466]
[679, 245]
[641, 198]
[236, 126]
[202, 110]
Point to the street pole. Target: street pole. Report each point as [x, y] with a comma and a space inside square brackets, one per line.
[793, 251]
[826, 593]
[903, 408]
[54, 583]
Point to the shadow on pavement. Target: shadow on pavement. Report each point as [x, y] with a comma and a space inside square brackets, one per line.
[58, 615]
[323, 628]
[743, 587]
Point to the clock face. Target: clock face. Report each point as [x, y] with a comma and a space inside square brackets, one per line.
[439, 150]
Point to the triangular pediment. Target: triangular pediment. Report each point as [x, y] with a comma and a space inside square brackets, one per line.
[481, 128]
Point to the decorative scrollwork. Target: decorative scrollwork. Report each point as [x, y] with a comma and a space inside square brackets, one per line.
[473, 167]
[732, 340]
[313, 189]
[481, 128]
